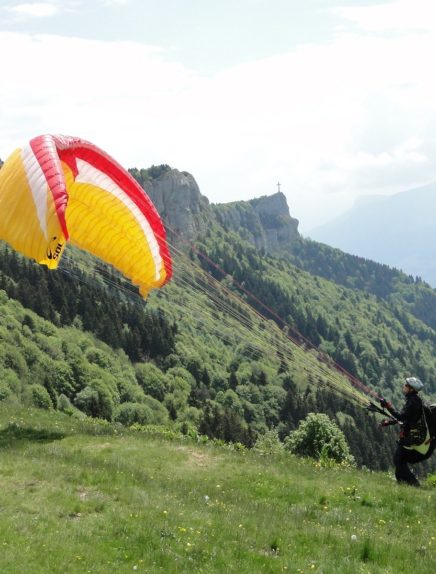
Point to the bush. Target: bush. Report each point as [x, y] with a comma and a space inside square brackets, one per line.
[5, 391]
[14, 360]
[40, 397]
[269, 443]
[95, 400]
[59, 377]
[64, 404]
[320, 438]
[131, 413]
[11, 379]
[159, 412]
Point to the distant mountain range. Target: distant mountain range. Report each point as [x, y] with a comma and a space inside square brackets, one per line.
[398, 230]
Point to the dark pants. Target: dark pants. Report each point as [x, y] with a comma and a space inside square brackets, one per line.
[403, 457]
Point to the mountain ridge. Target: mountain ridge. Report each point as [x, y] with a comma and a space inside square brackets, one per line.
[211, 364]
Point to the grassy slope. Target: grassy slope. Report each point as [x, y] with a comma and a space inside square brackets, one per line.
[79, 496]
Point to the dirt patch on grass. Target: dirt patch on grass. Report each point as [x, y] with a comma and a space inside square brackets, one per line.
[196, 458]
[83, 493]
[98, 446]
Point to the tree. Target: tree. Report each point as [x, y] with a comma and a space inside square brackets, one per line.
[129, 413]
[268, 443]
[40, 397]
[152, 380]
[318, 437]
[95, 400]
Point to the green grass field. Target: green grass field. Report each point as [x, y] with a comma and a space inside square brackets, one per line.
[79, 497]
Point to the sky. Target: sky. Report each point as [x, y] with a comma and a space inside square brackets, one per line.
[333, 100]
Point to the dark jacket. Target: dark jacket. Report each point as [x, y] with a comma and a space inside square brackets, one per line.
[412, 416]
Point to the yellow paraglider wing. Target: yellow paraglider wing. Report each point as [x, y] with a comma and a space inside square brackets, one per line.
[58, 188]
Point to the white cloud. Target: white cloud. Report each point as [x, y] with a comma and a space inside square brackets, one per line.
[34, 9]
[401, 15]
[331, 121]
[116, 2]
[105, 91]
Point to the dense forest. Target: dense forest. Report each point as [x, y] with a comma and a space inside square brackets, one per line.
[375, 339]
[81, 341]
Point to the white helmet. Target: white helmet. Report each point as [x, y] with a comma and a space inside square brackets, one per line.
[414, 383]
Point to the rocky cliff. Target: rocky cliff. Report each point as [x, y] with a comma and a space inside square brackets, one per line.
[264, 221]
[178, 200]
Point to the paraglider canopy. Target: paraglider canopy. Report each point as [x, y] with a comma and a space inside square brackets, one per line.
[60, 188]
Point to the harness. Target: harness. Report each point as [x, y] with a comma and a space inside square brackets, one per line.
[421, 435]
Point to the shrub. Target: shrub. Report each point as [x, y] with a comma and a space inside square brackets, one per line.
[14, 360]
[11, 379]
[40, 397]
[159, 412]
[5, 391]
[59, 378]
[95, 400]
[64, 404]
[131, 413]
[320, 438]
[269, 443]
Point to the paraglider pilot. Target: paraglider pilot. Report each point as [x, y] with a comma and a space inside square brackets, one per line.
[414, 443]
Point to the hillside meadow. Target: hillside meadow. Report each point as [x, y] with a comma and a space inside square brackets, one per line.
[86, 496]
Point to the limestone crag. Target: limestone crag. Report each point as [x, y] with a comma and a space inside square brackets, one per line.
[265, 221]
[178, 200]
[279, 227]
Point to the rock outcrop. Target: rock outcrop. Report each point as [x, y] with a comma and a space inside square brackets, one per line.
[265, 221]
[178, 200]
